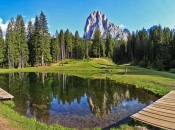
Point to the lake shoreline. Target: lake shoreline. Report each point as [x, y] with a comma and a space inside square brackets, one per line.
[160, 83]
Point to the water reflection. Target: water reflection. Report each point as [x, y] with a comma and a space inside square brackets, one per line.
[72, 101]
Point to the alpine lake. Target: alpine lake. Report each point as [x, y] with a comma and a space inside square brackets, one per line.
[74, 102]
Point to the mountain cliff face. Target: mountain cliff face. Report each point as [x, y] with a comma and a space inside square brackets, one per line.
[99, 21]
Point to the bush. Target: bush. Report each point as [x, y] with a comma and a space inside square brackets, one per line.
[9, 103]
[172, 71]
[150, 65]
[144, 62]
[172, 64]
[133, 63]
[159, 65]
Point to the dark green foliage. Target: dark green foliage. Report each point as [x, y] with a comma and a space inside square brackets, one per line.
[109, 45]
[2, 49]
[144, 62]
[30, 34]
[155, 50]
[97, 47]
[44, 41]
[21, 47]
[172, 64]
[55, 50]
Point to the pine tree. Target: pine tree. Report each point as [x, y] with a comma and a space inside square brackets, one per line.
[35, 43]
[109, 45]
[2, 48]
[31, 46]
[96, 44]
[55, 50]
[44, 40]
[21, 47]
[70, 45]
[67, 42]
[61, 41]
[76, 45]
[10, 39]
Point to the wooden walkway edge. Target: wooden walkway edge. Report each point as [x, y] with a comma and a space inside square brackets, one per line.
[160, 114]
[5, 95]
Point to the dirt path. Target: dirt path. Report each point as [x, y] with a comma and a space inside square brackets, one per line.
[4, 124]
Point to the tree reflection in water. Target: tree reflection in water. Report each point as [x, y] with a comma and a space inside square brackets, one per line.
[72, 101]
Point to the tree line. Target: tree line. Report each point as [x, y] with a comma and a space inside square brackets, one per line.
[34, 46]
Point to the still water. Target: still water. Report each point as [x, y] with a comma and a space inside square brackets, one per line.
[72, 101]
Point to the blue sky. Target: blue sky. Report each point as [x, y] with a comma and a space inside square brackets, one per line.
[72, 14]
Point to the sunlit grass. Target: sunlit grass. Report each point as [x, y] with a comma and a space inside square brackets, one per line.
[21, 122]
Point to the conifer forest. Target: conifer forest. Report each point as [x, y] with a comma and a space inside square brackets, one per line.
[34, 46]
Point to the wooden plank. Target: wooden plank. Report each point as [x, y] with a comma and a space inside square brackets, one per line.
[158, 117]
[159, 114]
[5, 95]
[160, 110]
[154, 122]
[167, 100]
[164, 107]
[166, 103]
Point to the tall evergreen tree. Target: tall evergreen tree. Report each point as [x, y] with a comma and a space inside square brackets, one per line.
[31, 46]
[21, 47]
[35, 59]
[44, 40]
[109, 45]
[2, 49]
[76, 44]
[10, 49]
[96, 44]
[55, 50]
[61, 41]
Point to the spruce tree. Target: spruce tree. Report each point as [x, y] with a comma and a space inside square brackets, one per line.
[35, 59]
[21, 47]
[96, 44]
[44, 40]
[55, 50]
[10, 48]
[76, 45]
[2, 48]
[30, 30]
[61, 41]
[109, 45]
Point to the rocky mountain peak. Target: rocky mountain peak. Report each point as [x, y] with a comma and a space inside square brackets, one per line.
[97, 20]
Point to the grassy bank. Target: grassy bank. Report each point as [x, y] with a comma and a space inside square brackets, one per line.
[21, 122]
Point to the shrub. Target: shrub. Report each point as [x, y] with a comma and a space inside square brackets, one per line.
[159, 65]
[144, 62]
[172, 70]
[172, 64]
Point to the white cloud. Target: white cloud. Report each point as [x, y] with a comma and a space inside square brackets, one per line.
[121, 26]
[24, 16]
[32, 20]
[3, 26]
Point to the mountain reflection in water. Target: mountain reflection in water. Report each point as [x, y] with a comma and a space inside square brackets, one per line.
[72, 101]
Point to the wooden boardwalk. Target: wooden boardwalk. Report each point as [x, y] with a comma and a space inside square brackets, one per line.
[160, 114]
[5, 95]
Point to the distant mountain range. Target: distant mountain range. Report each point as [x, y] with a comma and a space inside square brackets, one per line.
[99, 21]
